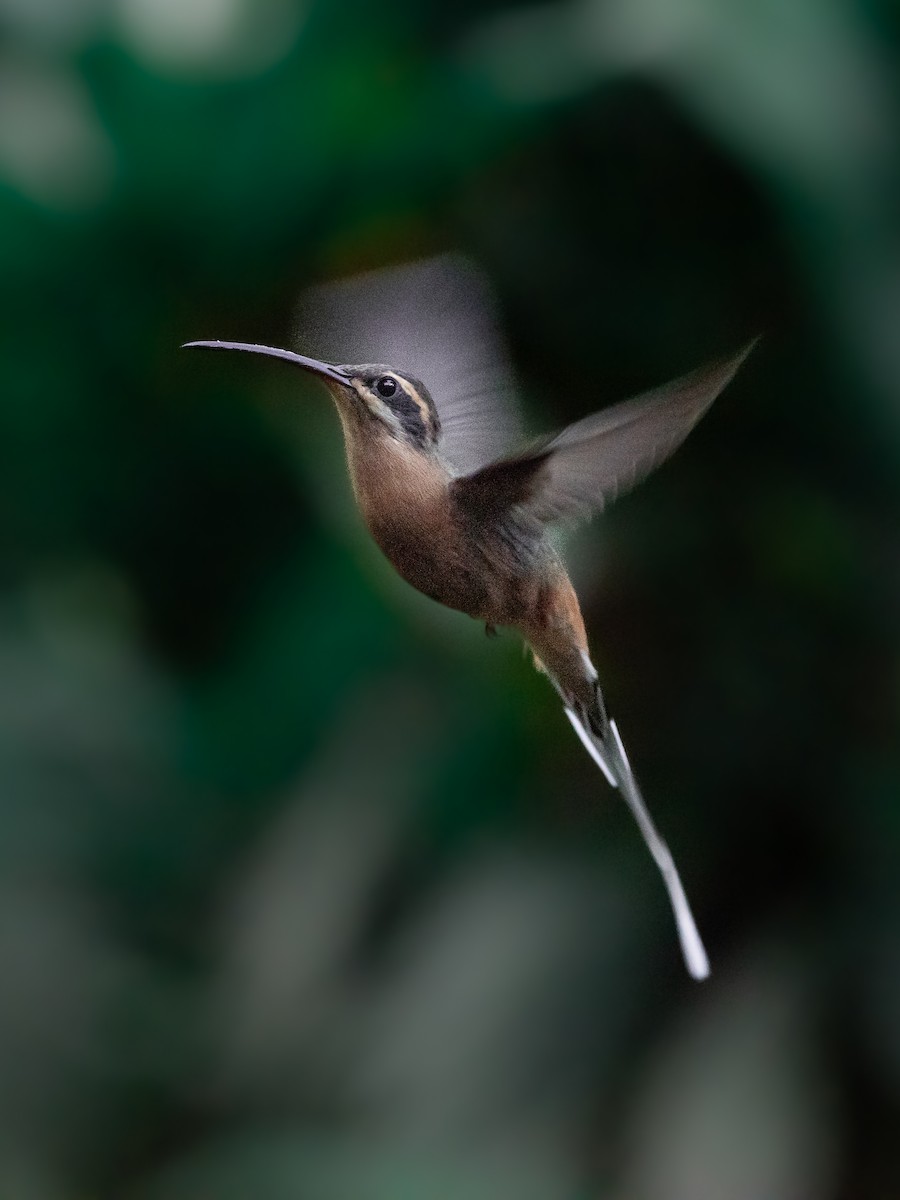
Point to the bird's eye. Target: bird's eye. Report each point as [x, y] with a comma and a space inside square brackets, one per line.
[386, 386]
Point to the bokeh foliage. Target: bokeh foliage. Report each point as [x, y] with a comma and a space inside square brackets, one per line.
[305, 889]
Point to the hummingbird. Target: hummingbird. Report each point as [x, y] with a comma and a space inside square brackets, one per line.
[478, 540]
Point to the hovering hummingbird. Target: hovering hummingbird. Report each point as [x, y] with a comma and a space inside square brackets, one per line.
[475, 538]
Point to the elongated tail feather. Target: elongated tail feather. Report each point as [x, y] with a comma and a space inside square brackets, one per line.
[594, 747]
[609, 755]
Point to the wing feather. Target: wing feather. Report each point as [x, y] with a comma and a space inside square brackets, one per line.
[591, 463]
[436, 320]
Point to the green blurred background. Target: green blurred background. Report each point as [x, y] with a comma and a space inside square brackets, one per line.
[306, 890]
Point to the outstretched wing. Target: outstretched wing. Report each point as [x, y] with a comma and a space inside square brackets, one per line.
[434, 319]
[594, 461]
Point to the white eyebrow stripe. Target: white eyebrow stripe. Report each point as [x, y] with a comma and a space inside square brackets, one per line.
[414, 394]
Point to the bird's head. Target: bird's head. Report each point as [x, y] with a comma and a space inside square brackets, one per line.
[372, 398]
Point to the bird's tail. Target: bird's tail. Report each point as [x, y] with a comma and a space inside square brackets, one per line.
[601, 739]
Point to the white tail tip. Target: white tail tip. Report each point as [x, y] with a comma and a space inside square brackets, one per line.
[619, 776]
[695, 956]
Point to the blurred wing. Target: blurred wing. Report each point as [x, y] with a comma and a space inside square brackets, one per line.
[594, 461]
[434, 319]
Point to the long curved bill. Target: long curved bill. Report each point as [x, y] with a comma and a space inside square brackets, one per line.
[313, 365]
